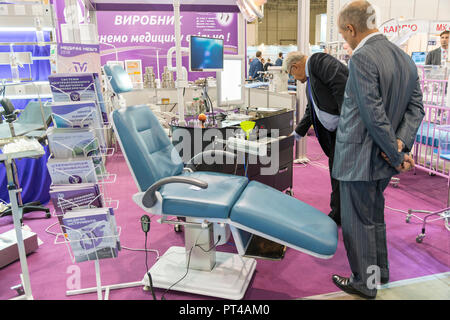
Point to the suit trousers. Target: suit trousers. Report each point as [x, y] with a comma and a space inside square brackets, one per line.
[335, 201]
[364, 233]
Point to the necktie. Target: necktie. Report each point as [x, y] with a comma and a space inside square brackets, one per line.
[313, 111]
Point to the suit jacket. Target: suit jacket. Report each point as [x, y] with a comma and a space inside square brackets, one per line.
[434, 57]
[267, 65]
[328, 77]
[382, 103]
[255, 66]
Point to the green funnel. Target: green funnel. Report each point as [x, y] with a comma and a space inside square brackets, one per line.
[247, 126]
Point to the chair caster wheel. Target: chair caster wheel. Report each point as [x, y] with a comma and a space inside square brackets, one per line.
[290, 193]
[19, 289]
[408, 219]
[420, 237]
[48, 215]
[177, 228]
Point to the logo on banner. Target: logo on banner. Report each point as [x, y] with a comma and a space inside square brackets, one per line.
[224, 19]
[80, 67]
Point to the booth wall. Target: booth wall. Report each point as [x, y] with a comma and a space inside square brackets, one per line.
[149, 35]
[433, 10]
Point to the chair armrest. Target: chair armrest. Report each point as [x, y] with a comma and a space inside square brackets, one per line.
[212, 153]
[150, 199]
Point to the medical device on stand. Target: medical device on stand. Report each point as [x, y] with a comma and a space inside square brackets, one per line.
[278, 79]
[14, 148]
[431, 151]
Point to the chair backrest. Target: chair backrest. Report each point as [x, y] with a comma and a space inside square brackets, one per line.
[118, 78]
[149, 153]
[31, 114]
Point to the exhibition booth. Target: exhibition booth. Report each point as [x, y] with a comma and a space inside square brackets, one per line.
[140, 160]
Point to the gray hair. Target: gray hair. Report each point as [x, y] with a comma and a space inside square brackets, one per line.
[360, 14]
[291, 59]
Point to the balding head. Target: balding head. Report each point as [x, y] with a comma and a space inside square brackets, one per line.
[360, 14]
[357, 19]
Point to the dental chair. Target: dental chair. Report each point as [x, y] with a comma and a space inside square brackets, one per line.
[215, 206]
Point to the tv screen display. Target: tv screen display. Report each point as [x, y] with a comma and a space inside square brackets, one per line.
[419, 57]
[205, 54]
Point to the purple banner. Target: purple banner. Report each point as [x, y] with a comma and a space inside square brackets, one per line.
[149, 35]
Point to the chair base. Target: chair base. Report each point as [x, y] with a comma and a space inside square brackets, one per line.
[27, 208]
[229, 278]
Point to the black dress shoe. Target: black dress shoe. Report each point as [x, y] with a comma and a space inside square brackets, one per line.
[344, 284]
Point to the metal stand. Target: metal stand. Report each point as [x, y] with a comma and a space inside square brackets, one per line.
[99, 288]
[15, 198]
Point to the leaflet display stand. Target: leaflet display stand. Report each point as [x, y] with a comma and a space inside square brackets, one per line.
[90, 241]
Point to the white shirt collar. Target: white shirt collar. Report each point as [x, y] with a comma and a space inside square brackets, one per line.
[363, 41]
[306, 68]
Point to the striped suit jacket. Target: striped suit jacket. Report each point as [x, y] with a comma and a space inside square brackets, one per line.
[382, 103]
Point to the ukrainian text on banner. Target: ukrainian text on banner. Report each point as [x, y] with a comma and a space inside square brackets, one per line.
[148, 36]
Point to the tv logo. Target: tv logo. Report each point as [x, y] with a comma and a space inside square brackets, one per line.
[80, 66]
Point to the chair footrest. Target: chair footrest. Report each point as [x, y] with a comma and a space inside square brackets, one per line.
[271, 214]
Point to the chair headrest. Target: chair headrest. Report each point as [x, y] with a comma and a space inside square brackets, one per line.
[119, 79]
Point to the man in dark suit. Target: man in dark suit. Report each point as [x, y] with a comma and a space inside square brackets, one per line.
[268, 64]
[380, 116]
[326, 78]
[256, 66]
[279, 61]
[440, 55]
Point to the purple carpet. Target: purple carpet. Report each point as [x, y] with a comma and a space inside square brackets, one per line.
[297, 275]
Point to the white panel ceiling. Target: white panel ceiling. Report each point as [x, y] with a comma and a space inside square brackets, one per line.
[196, 2]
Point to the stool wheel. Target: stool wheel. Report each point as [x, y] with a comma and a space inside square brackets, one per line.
[420, 237]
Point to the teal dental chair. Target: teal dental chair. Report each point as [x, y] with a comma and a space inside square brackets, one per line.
[215, 206]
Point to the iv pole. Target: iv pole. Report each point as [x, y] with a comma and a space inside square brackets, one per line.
[180, 82]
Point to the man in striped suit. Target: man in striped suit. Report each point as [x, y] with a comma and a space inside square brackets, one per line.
[380, 116]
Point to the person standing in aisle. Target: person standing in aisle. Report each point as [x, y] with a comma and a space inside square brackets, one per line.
[268, 64]
[279, 61]
[326, 78]
[440, 55]
[255, 66]
[381, 113]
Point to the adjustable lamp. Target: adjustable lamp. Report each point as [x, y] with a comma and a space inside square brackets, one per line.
[251, 9]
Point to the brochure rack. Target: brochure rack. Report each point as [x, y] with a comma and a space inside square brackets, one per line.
[91, 242]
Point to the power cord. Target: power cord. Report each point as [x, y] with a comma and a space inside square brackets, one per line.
[189, 261]
[145, 224]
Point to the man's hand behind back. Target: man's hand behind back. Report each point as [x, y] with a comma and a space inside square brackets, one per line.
[408, 161]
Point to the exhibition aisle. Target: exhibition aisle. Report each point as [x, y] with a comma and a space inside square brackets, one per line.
[295, 276]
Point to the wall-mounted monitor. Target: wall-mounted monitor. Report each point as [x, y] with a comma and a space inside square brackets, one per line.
[230, 81]
[419, 57]
[205, 54]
